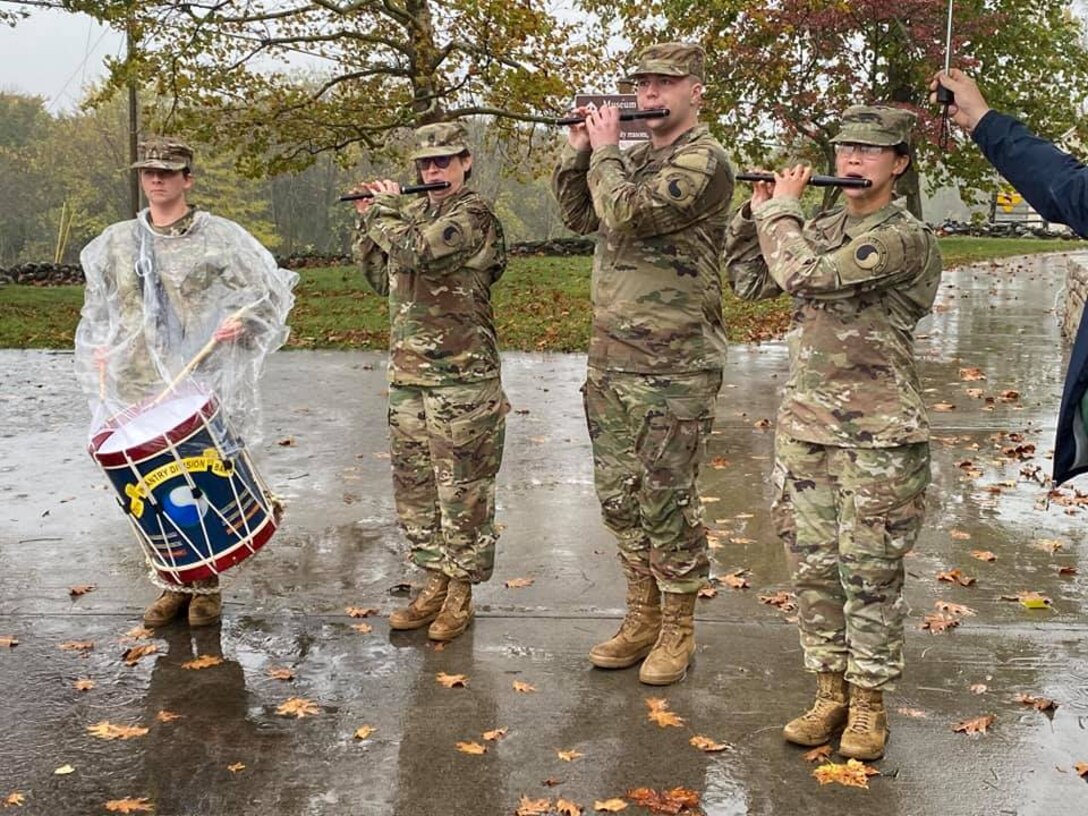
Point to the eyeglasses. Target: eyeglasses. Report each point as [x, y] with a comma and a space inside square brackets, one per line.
[441, 162]
[863, 150]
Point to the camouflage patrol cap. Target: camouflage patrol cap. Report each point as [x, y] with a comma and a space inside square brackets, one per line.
[876, 125]
[164, 153]
[441, 139]
[670, 59]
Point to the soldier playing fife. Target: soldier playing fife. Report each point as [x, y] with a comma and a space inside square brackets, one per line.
[436, 258]
[659, 211]
[852, 437]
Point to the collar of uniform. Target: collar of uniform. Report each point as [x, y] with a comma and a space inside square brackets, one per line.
[647, 150]
[869, 222]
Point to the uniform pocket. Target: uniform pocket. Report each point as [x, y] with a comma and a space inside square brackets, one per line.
[671, 440]
[473, 441]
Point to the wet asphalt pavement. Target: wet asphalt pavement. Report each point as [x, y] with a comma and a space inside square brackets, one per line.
[339, 547]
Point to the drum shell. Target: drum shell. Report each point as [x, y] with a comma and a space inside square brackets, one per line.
[194, 498]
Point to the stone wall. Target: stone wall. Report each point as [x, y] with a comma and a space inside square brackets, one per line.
[1076, 295]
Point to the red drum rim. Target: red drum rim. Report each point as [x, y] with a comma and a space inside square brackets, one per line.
[155, 445]
[220, 563]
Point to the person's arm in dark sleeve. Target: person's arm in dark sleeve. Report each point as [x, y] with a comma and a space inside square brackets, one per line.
[1052, 181]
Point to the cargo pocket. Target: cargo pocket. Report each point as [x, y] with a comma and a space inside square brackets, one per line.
[475, 440]
[670, 441]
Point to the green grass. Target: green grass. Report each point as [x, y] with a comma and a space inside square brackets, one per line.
[541, 304]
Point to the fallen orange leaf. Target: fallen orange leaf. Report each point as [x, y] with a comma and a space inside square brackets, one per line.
[1081, 768]
[979, 688]
[707, 592]
[660, 714]
[15, 799]
[1067, 570]
[1038, 703]
[77, 645]
[735, 580]
[671, 801]
[298, 707]
[167, 716]
[707, 745]
[917, 713]
[524, 688]
[1050, 545]
[960, 535]
[853, 774]
[471, 748]
[817, 754]
[236, 767]
[362, 628]
[976, 726]
[83, 684]
[363, 731]
[132, 656]
[9, 641]
[955, 576]
[971, 374]
[202, 662]
[719, 463]
[281, 674]
[141, 805]
[954, 609]
[360, 611]
[568, 756]
[532, 807]
[785, 601]
[109, 731]
[983, 555]
[937, 623]
[494, 735]
[518, 583]
[567, 808]
[139, 633]
[944, 406]
[609, 805]
[81, 589]
[451, 680]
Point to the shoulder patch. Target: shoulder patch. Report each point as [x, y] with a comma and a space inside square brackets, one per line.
[871, 254]
[452, 235]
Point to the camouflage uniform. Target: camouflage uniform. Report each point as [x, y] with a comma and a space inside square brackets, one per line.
[851, 446]
[658, 343]
[436, 264]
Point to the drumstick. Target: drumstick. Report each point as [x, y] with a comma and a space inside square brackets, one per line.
[198, 358]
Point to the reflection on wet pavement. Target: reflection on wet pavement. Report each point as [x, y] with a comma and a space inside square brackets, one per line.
[285, 609]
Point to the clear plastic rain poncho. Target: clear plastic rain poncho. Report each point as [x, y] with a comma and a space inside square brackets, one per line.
[152, 306]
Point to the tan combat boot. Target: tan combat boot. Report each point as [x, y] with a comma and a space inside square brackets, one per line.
[166, 607]
[639, 630]
[425, 607]
[827, 715]
[456, 612]
[867, 731]
[668, 660]
[205, 609]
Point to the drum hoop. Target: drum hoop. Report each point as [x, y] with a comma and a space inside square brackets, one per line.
[159, 443]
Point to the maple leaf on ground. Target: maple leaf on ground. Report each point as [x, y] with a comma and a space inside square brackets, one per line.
[818, 754]
[954, 608]
[937, 623]
[1082, 769]
[565, 807]
[719, 463]
[660, 714]
[286, 442]
[494, 735]
[671, 801]
[362, 628]
[524, 688]
[1033, 600]
[452, 680]
[734, 580]
[363, 732]
[707, 745]
[167, 716]
[960, 535]
[1038, 703]
[282, 673]
[955, 576]
[568, 756]
[236, 767]
[471, 748]
[138, 633]
[76, 645]
[976, 726]
[141, 805]
[83, 684]
[518, 583]
[81, 589]
[361, 611]
[983, 555]
[609, 805]
[298, 707]
[944, 407]
[109, 731]
[707, 592]
[971, 374]
[532, 807]
[132, 655]
[15, 799]
[1050, 545]
[979, 688]
[1067, 570]
[853, 774]
[202, 662]
[785, 601]
[916, 713]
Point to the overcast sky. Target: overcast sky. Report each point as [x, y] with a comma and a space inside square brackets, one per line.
[55, 55]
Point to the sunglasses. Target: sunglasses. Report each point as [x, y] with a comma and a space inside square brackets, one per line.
[441, 162]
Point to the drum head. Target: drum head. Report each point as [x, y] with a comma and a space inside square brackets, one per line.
[152, 423]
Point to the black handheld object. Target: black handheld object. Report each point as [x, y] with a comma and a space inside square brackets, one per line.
[625, 116]
[413, 188]
[814, 181]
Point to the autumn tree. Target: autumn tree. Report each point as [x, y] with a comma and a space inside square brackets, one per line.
[283, 81]
[781, 72]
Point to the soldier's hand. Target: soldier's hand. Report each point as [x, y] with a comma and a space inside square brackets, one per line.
[790, 183]
[577, 135]
[387, 186]
[229, 330]
[603, 126]
[970, 106]
[363, 204]
[761, 190]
